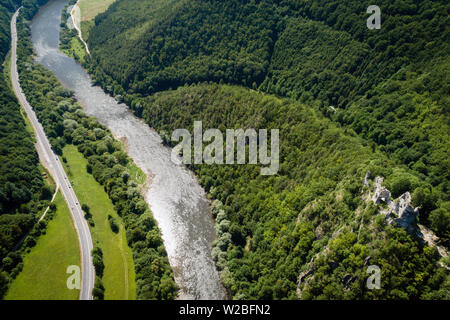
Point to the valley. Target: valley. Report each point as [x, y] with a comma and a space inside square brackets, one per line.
[152, 105]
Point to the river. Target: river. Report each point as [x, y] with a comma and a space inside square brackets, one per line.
[178, 202]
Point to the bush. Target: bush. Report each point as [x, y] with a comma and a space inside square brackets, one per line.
[400, 186]
[113, 224]
[85, 208]
[97, 260]
[98, 292]
[440, 222]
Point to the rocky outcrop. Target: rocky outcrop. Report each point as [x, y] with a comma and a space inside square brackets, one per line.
[366, 179]
[407, 215]
[381, 194]
[433, 241]
[302, 276]
[399, 212]
[305, 277]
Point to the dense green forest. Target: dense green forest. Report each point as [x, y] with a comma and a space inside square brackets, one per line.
[270, 228]
[65, 123]
[349, 100]
[389, 86]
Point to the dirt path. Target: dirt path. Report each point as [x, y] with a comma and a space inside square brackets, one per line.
[76, 19]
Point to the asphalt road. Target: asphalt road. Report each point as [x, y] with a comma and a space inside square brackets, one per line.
[51, 162]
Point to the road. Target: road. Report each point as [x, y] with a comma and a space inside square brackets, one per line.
[51, 161]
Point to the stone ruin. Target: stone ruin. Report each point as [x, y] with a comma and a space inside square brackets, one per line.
[399, 212]
[381, 194]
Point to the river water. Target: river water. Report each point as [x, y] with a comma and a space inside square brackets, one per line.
[175, 197]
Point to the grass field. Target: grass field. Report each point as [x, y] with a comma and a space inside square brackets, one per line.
[91, 8]
[119, 277]
[44, 273]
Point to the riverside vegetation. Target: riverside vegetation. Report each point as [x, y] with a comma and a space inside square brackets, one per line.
[66, 124]
[346, 99]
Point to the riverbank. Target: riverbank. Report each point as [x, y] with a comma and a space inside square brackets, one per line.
[70, 42]
[105, 161]
[176, 199]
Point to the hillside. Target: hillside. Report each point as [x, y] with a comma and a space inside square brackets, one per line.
[289, 44]
[389, 92]
[270, 228]
[390, 87]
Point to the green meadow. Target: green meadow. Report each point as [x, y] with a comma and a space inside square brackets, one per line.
[44, 274]
[119, 276]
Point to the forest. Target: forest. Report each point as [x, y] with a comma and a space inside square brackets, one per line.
[270, 228]
[346, 100]
[381, 85]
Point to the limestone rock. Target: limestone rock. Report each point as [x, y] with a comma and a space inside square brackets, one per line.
[366, 179]
[381, 194]
[407, 215]
[399, 211]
